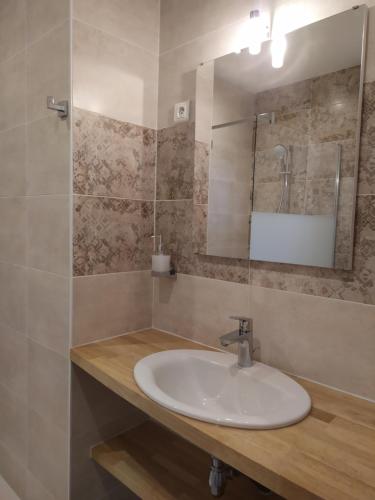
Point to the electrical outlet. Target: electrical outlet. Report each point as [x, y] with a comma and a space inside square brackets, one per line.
[181, 111]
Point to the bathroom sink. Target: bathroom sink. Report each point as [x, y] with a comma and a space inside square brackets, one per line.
[209, 386]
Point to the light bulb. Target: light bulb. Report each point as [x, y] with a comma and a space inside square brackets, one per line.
[257, 32]
[278, 49]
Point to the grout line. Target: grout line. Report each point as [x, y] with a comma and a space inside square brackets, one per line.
[107, 117]
[71, 247]
[328, 386]
[40, 118]
[204, 35]
[123, 40]
[25, 267]
[14, 127]
[180, 199]
[64, 356]
[277, 290]
[112, 197]
[13, 56]
[47, 33]
[135, 271]
[26, 196]
[103, 339]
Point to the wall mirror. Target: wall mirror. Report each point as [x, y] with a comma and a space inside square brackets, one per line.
[276, 151]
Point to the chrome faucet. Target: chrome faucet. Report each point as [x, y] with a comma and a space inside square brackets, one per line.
[244, 338]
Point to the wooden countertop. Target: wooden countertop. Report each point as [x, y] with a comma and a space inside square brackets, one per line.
[330, 454]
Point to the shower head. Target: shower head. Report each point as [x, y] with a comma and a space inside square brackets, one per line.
[281, 152]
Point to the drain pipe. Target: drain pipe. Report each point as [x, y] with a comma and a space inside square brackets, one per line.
[220, 472]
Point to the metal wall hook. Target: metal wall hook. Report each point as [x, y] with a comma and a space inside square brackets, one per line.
[62, 107]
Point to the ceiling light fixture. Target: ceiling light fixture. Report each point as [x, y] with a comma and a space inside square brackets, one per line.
[256, 31]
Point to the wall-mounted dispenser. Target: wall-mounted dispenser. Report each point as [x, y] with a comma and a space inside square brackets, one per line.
[161, 263]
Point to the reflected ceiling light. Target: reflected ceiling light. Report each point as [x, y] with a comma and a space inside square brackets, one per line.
[258, 32]
[256, 35]
[278, 49]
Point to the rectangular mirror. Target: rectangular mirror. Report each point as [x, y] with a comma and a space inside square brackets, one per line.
[276, 151]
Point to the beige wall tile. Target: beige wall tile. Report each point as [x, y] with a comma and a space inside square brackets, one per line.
[48, 233]
[48, 71]
[370, 55]
[198, 19]
[13, 361]
[49, 156]
[329, 341]
[326, 340]
[113, 77]
[13, 92]
[13, 162]
[88, 481]
[135, 22]
[198, 308]
[43, 15]
[48, 377]
[35, 489]
[12, 471]
[33, 232]
[13, 424]
[97, 415]
[48, 310]
[48, 455]
[13, 296]
[13, 230]
[97, 409]
[12, 27]
[6, 491]
[111, 304]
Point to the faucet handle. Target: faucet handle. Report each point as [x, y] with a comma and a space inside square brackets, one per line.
[246, 324]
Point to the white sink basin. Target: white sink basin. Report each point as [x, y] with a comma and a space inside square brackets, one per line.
[209, 386]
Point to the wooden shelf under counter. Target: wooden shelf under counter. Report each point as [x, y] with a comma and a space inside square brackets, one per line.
[157, 464]
[329, 455]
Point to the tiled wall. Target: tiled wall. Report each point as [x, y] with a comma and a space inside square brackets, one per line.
[34, 248]
[115, 68]
[282, 299]
[115, 63]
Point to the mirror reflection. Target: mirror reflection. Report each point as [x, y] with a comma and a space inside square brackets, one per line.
[277, 148]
